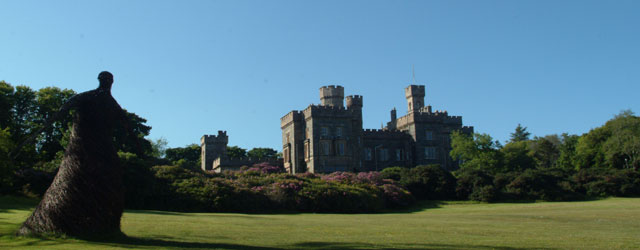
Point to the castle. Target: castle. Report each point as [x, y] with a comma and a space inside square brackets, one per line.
[214, 155]
[329, 137]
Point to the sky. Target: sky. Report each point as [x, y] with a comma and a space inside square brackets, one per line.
[195, 67]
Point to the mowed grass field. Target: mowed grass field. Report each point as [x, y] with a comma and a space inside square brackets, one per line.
[604, 224]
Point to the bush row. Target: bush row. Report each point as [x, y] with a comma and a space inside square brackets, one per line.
[431, 182]
[264, 188]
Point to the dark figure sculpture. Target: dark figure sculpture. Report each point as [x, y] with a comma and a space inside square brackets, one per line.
[86, 197]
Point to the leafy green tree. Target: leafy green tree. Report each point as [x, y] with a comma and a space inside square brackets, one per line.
[517, 156]
[49, 100]
[262, 153]
[188, 156]
[23, 113]
[614, 145]
[567, 152]
[544, 150]
[6, 167]
[158, 147]
[6, 104]
[126, 143]
[477, 152]
[520, 134]
[236, 152]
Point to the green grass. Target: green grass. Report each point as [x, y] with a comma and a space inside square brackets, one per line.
[604, 224]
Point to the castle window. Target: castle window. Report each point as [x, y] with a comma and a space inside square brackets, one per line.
[430, 153]
[367, 154]
[324, 131]
[325, 148]
[428, 135]
[398, 154]
[339, 131]
[286, 154]
[384, 154]
[306, 149]
[340, 148]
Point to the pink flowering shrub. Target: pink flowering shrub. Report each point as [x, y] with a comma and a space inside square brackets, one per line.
[344, 177]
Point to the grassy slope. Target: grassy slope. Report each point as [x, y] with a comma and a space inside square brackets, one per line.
[606, 224]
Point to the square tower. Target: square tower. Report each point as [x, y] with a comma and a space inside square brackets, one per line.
[415, 97]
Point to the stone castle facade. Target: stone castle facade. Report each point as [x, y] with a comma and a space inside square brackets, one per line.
[329, 137]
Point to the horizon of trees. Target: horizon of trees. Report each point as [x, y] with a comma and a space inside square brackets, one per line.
[614, 145]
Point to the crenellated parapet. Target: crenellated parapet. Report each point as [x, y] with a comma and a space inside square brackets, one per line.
[467, 130]
[221, 137]
[291, 117]
[226, 163]
[354, 102]
[332, 95]
[319, 111]
[384, 134]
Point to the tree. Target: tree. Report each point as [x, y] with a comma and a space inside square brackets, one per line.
[520, 134]
[477, 152]
[236, 152]
[158, 147]
[614, 145]
[49, 100]
[6, 168]
[517, 156]
[6, 104]
[261, 153]
[567, 152]
[188, 156]
[127, 143]
[544, 150]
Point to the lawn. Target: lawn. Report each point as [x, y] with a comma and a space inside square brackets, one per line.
[604, 224]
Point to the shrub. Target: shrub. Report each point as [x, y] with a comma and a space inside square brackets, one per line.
[541, 184]
[396, 196]
[430, 182]
[472, 184]
[607, 182]
[394, 173]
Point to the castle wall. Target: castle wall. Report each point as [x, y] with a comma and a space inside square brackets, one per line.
[386, 148]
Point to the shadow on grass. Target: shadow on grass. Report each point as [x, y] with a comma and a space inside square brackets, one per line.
[359, 246]
[17, 203]
[127, 242]
[135, 242]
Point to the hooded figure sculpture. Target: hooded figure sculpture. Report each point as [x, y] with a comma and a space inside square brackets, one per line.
[86, 197]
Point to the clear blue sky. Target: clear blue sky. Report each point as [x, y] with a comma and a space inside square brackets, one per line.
[194, 67]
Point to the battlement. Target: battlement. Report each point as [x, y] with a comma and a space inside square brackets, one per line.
[414, 90]
[293, 115]
[333, 111]
[332, 88]
[225, 163]
[354, 101]
[467, 130]
[384, 134]
[210, 139]
[332, 95]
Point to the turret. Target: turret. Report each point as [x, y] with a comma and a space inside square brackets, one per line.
[354, 102]
[212, 147]
[332, 96]
[415, 97]
[394, 115]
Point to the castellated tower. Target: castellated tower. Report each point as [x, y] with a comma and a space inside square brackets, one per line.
[212, 147]
[354, 102]
[332, 96]
[415, 97]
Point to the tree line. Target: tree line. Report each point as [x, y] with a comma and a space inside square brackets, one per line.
[23, 111]
[603, 162]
